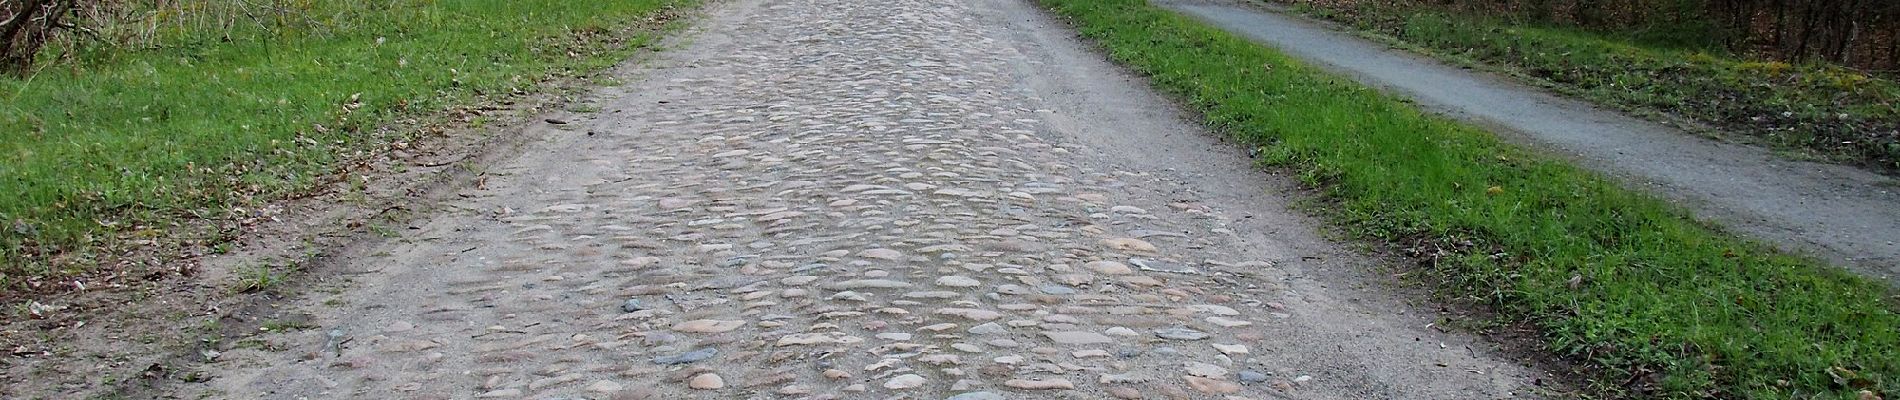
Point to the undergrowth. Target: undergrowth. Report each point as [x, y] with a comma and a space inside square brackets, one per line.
[1818, 110]
[120, 141]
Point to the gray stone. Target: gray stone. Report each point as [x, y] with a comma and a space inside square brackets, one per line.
[1078, 337]
[632, 305]
[1252, 376]
[988, 328]
[1127, 352]
[1162, 266]
[958, 281]
[1180, 333]
[1056, 289]
[976, 396]
[687, 357]
[905, 381]
[1206, 370]
[868, 284]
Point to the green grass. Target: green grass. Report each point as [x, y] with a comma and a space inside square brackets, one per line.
[108, 142]
[1820, 110]
[1679, 308]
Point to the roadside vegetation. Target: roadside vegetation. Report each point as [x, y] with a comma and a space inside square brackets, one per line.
[140, 115]
[1680, 67]
[1655, 302]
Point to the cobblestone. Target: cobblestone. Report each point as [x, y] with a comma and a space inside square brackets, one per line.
[834, 199]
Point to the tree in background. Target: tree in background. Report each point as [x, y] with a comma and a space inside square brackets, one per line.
[1861, 34]
[25, 26]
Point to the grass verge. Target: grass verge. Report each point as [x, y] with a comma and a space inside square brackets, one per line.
[1666, 306]
[1818, 110]
[118, 144]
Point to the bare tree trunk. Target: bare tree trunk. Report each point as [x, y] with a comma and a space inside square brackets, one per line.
[1781, 26]
[24, 27]
[1847, 49]
[1741, 25]
[1845, 28]
[1893, 48]
[1808, 25]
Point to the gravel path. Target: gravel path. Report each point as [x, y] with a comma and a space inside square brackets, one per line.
[1848, 215]
[918, 199]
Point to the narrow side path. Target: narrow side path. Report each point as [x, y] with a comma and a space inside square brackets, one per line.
[1845, 214]
[893, 199]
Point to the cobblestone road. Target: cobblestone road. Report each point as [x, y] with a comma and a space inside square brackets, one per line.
[918, 199]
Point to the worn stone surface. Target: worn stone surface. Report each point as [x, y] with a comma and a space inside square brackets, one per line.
[1078, 337]
[864, 199]
[1211, 385]
[708, 326]
[706, 381]
[1040, 384]
[905, 381]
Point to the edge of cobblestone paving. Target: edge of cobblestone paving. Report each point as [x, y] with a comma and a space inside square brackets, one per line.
[1375, 275]
[314, 234]
[1341, 265]
[512, 139]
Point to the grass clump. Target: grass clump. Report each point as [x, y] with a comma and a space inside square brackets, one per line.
[115, 140]
[1818, 109]
[1614, 278]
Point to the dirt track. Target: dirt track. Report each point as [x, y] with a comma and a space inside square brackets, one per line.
[854, 199]
[1839, 213]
